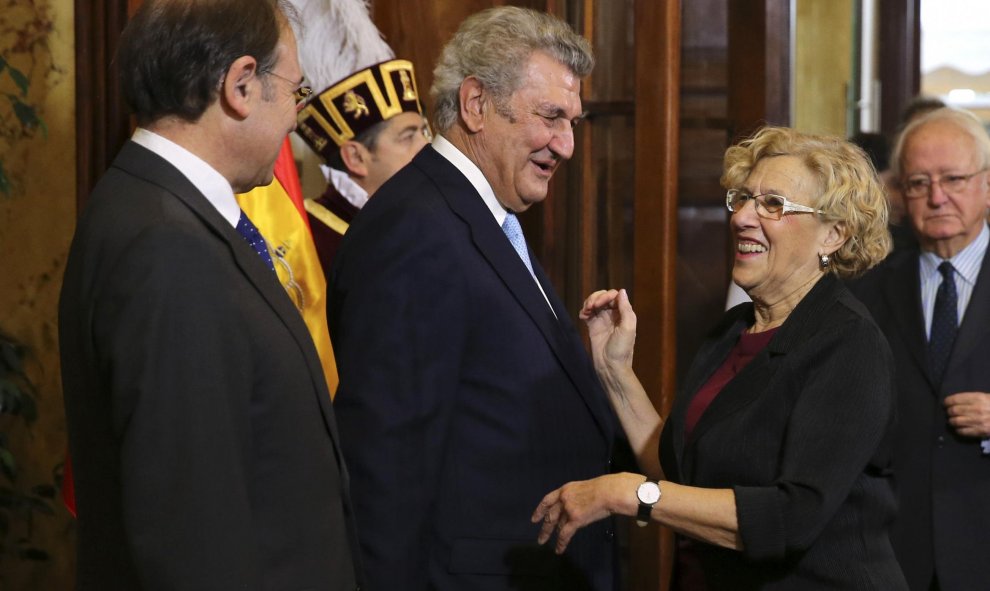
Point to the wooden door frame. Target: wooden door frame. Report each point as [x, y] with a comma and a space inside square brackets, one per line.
[102, 122]
[899, 67]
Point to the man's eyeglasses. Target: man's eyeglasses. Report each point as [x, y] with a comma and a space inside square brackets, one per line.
[919, 186]
[768, 205]
[301, 91]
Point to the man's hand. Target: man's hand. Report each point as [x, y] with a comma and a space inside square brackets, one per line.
[969, 413]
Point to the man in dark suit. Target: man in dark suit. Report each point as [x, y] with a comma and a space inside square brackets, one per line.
[200, 426]
[465, 390]
[933, 304]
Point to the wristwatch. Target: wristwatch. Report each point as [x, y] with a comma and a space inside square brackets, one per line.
[648, 494]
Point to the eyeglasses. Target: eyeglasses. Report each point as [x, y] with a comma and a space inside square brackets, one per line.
[301, 91]
[919, 186]
[768, 205]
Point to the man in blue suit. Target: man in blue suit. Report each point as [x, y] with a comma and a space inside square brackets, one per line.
[465, 392]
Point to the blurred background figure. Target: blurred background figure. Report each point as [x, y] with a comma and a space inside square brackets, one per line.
[774, 464]
[365, 120]
[365, 128]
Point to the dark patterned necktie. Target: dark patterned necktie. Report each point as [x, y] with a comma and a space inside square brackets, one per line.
[944, 322]
[254, 238]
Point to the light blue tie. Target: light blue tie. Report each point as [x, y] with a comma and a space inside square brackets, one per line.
[513, 231]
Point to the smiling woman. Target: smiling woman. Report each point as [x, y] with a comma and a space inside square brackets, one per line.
[773, 464]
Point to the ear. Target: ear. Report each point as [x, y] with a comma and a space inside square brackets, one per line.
[837, 235]
[356, 158]
[237, 92]
[472, 102]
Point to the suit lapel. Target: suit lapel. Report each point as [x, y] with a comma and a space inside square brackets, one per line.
[750, 383]
[976, 320]
[902, 292]
[737, 393]
[465, 201]
[143, 163]
[708, 359]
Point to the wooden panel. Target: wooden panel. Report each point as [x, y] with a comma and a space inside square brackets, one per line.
[658, 39]
[102, 123]
[899, 69]
[823, 54]
[418, 29]
[759, 64]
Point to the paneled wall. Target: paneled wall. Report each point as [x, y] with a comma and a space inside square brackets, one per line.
[37, 217]
[823, 57]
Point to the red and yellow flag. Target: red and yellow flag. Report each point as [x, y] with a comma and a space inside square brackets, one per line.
[278, 212]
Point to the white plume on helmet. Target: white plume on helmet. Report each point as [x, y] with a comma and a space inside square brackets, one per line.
[337, 38]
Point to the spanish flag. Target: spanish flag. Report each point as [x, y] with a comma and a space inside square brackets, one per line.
[278, 212]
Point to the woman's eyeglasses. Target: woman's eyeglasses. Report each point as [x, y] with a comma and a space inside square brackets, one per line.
[768, 205]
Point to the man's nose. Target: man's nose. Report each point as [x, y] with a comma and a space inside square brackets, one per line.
[562, 142]
[936, 195]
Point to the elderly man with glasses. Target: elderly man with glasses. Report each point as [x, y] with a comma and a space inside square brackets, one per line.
[933, 303]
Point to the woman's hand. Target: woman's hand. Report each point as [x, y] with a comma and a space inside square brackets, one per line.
[576, 504]
[612, 328]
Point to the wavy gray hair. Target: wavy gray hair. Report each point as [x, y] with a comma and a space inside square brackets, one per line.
[493, 46]
[965, 121]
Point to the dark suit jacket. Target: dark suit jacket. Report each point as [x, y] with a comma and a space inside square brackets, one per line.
[202, 437]
[942, 480]
[802, 435]
[462, 400]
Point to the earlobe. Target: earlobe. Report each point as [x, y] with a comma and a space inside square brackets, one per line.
[236, 90]
[472, 104]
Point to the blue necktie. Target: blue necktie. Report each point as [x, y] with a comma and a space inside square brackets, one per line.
[254, 238]
[944, 322]
[513, 231]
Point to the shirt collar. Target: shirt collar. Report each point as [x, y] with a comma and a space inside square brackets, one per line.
[345, 185]
[967, 261]
[474, 175]
[204, 177]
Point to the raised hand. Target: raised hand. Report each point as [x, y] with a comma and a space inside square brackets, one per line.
[612, 328]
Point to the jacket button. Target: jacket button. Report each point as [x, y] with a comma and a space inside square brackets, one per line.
[609, 534]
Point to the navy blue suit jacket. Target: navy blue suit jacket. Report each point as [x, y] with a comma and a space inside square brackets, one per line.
[462, 399]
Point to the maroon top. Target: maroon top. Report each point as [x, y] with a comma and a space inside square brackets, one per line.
[747, 347]
[688, 575]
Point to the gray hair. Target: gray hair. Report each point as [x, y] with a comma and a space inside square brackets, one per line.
[493, 46]
[965, 121]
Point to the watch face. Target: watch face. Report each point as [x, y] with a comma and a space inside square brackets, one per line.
[648, 492]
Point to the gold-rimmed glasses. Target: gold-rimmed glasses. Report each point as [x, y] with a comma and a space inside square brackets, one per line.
[768, 205]
[920, 185]
[301, 90]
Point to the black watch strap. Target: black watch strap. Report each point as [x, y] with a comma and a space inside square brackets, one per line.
[643, 515]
